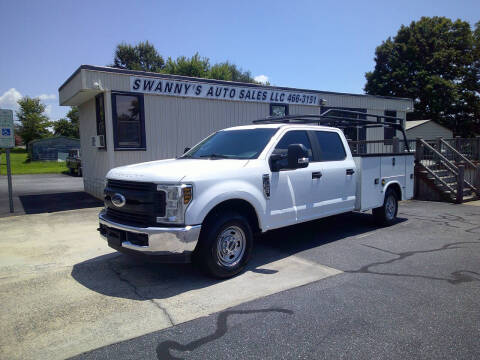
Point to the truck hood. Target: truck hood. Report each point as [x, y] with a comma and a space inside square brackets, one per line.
[173, 170]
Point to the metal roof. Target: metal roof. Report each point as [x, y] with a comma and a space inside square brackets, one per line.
[414, 123]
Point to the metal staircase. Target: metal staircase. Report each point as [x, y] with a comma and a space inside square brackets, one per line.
[446, 171]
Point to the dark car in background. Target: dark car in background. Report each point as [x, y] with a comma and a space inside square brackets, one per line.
[74, 162]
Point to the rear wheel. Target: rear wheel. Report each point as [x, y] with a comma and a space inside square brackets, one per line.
[387, 214]
[225, 245]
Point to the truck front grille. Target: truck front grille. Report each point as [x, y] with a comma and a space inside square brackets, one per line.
[139, 220]
[143, 203]
[131, 185]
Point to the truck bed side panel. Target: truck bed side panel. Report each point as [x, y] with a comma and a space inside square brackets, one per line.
[409, 164]
[368, 194]
[393, 169]
[389, 168]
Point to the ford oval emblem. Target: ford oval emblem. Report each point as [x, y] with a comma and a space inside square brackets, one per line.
[118, 200]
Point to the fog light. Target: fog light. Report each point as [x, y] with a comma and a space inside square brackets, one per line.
[383, 182]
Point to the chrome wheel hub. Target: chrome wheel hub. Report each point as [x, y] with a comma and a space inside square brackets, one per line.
[231, 245]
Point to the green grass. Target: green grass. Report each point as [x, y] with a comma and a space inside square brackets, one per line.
[18, 159]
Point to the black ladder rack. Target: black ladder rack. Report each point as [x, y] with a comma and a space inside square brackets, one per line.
[331, 118]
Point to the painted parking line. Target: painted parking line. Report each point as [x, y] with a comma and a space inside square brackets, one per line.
[64, 292]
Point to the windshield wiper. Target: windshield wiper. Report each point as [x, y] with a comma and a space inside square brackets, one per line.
[215, 156]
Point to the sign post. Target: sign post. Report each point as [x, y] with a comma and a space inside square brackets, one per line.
[7, 141]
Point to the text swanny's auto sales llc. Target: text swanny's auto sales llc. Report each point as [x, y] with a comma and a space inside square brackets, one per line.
[204, 90]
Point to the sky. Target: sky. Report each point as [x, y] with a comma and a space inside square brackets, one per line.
[321, 45]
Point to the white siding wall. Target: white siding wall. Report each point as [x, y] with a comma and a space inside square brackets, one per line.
[429, 131]
[71, 88]
[94, 161]
[108, 81]
[366, 102]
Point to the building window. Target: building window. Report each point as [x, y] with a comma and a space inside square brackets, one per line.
[128, 121]
[100, 114]
[278, 110]
[354, 132]
[389, 132]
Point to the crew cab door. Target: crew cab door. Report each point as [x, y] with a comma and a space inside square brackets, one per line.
[290, 189]
[333, 192]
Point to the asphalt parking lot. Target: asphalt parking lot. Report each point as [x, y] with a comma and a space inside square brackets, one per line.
[39, 193]
[334, 288]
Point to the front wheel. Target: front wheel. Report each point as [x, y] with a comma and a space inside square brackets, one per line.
[225, 245]
[387, 214]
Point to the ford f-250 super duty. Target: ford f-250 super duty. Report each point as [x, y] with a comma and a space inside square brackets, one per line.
[207, 204]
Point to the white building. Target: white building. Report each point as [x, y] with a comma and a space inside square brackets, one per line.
[134, 116]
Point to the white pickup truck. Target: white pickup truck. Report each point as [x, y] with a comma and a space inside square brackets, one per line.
[208, 204]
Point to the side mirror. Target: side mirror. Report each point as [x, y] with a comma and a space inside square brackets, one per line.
[297, 156]
[274, 161]
[186, 149]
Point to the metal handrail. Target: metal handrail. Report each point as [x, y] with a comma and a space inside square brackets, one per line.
[439, 154]
[459, 154]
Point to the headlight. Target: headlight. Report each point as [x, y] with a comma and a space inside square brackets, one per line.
[177, 199]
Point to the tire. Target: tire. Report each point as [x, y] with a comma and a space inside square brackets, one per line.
[225, 245]
[387, 214]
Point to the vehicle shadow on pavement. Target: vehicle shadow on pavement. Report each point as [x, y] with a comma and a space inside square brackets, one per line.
[46, 203]
[122, 276]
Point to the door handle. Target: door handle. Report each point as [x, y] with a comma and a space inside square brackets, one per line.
[316, 175]
[350, 171]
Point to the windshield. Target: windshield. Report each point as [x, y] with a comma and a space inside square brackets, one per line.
[232, 144]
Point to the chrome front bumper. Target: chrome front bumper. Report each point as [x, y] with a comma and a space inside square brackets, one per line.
[161, 240]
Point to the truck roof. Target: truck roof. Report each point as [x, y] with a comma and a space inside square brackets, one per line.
[276, 126]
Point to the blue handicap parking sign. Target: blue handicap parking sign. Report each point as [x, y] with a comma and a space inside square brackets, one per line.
[6, 132]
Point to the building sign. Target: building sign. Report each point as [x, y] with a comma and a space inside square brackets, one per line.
[220, 91]
[7, 140]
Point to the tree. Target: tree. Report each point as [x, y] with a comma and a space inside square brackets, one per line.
[142, 56]
[69, 126]
[436, 62]
[63, 127]
[229, 71]
[33, 122]
[73, 115]
[195, 66]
